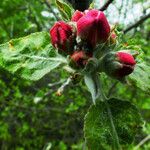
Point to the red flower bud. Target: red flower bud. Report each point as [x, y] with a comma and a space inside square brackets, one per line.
[118, 65]
[125, 58]
[77, 15]
[113, 35]
[93, 27]
[62, 36]
[80, 58]
[128, 63]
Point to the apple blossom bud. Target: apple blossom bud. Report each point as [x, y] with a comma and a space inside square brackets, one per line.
[62, 36]
[112, 39]
[118, 64]
[93, 27]
[80, 58]
[77, 15]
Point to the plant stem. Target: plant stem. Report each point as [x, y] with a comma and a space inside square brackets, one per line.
[116, 144]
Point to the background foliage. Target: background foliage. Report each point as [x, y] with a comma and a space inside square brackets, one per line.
[31, 115]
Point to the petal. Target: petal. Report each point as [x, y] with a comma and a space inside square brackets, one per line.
[92, 13]
[126, 58]
[77, 15]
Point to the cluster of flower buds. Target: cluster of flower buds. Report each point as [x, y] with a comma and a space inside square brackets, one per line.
[80, 36]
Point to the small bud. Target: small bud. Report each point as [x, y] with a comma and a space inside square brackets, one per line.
[93, 27]
[80, 58]
[118, 65]
[77, 15]
[62, 36]
[113, 38]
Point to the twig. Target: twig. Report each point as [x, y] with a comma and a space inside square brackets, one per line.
[136, 24]
[63, 86]
[69, 69]
[56, 83]
[52, 85]
[105, 6]
[142, 142]
[51, 9]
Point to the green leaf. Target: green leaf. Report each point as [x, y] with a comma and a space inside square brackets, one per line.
[141, 77]
[97, 125]
[65, 9]
[92, 5]
[91, 81]
[30, 57]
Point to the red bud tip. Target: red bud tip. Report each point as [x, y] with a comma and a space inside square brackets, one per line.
[80, 58]
[60, 34]
[93, 27]
[77, 15]
[126, 58]
[128, 63]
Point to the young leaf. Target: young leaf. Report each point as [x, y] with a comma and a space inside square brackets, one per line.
[97, 125]
[141, 77]
[65, 10]
[30, 57]
[91, 81]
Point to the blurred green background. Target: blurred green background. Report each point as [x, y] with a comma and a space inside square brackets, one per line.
[32, 117]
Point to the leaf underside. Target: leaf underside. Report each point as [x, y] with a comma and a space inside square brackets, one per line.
[30, 57]
[91, 81]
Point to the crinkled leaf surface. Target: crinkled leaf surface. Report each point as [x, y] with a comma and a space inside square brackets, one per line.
[30, 57]
[141, 77]
[97, 129]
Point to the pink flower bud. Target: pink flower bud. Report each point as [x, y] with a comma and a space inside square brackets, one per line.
[77, 15]
[113, 35]
[80, 58]
[127, 61]
[125, 58]
[62, 36]
[93, 27]
[118, 65]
